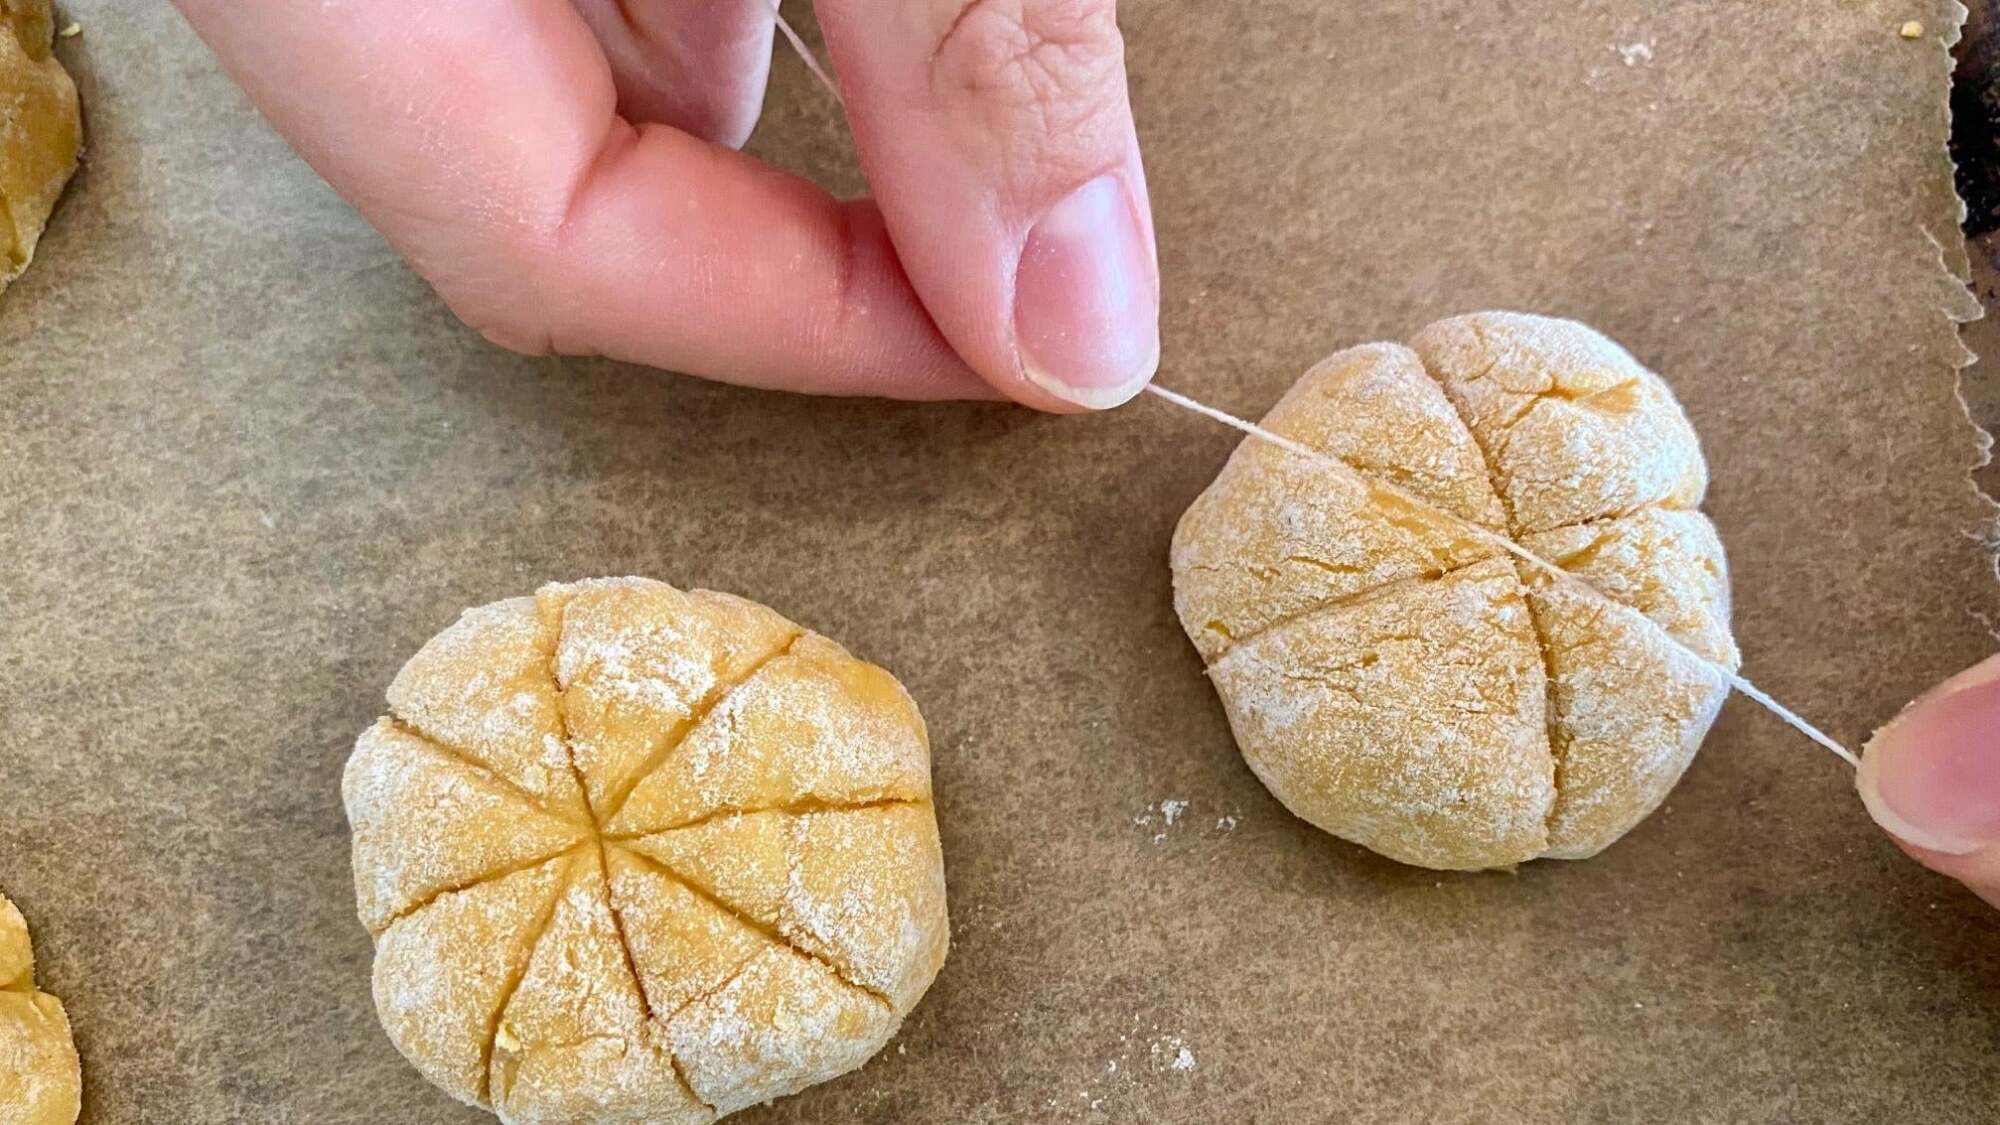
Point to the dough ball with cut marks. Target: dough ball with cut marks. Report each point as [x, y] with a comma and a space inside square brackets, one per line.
[41, 130]
[40, 1082]
[1398, 679]
[634, 854]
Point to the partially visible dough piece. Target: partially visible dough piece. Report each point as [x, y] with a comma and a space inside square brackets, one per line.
[41, 130]
[41, 1082]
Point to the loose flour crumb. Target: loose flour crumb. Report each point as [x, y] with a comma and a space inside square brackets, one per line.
[1171, 1053]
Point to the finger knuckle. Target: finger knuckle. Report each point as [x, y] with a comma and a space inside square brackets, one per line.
[501, 326]
[499, 277]
[503, 313]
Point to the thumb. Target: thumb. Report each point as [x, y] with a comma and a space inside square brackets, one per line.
[998, 140]
[1932, 778]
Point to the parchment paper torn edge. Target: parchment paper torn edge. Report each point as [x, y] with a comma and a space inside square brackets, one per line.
[1958, 302]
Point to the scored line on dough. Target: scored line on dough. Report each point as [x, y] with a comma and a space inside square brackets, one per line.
[466, 758]
[491, 875]
[793, 808]
[1552, 731]
[678, 737]
[520, 975]
[680, 1076]
[771, 934]
[1390, 588]
[1742, 685]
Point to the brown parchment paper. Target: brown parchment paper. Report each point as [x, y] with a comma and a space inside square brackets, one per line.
[248, 463]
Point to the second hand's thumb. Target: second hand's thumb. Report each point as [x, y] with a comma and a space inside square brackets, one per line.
[1932, 778]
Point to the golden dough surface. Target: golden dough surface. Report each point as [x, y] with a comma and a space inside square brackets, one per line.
[40, 1080]
[1399, 681]
[41, 130]
[634, 854]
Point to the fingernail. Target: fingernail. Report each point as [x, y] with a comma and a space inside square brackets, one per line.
[1086, 298]
[1932, 776]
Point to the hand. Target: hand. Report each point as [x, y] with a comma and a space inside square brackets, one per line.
[1932, 778]
[562, 171]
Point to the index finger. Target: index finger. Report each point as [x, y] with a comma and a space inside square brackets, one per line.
[481, 138]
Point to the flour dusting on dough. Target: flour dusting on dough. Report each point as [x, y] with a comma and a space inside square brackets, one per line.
[1390, 678]
[639, 855]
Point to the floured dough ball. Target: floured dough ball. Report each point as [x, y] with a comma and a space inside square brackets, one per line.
[631, 854]
[1405, 684]
[41, 130]
[40, 1083]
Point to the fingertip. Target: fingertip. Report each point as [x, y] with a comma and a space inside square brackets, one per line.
[1000, 141]
[1087, 297]
[1931, 777]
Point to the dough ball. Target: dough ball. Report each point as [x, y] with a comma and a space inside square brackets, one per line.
[1401, 682]
[40, 1080]
[41, 130]
[633, 854]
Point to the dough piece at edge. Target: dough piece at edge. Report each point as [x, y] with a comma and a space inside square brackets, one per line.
[41, 1078]
[41, 132]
